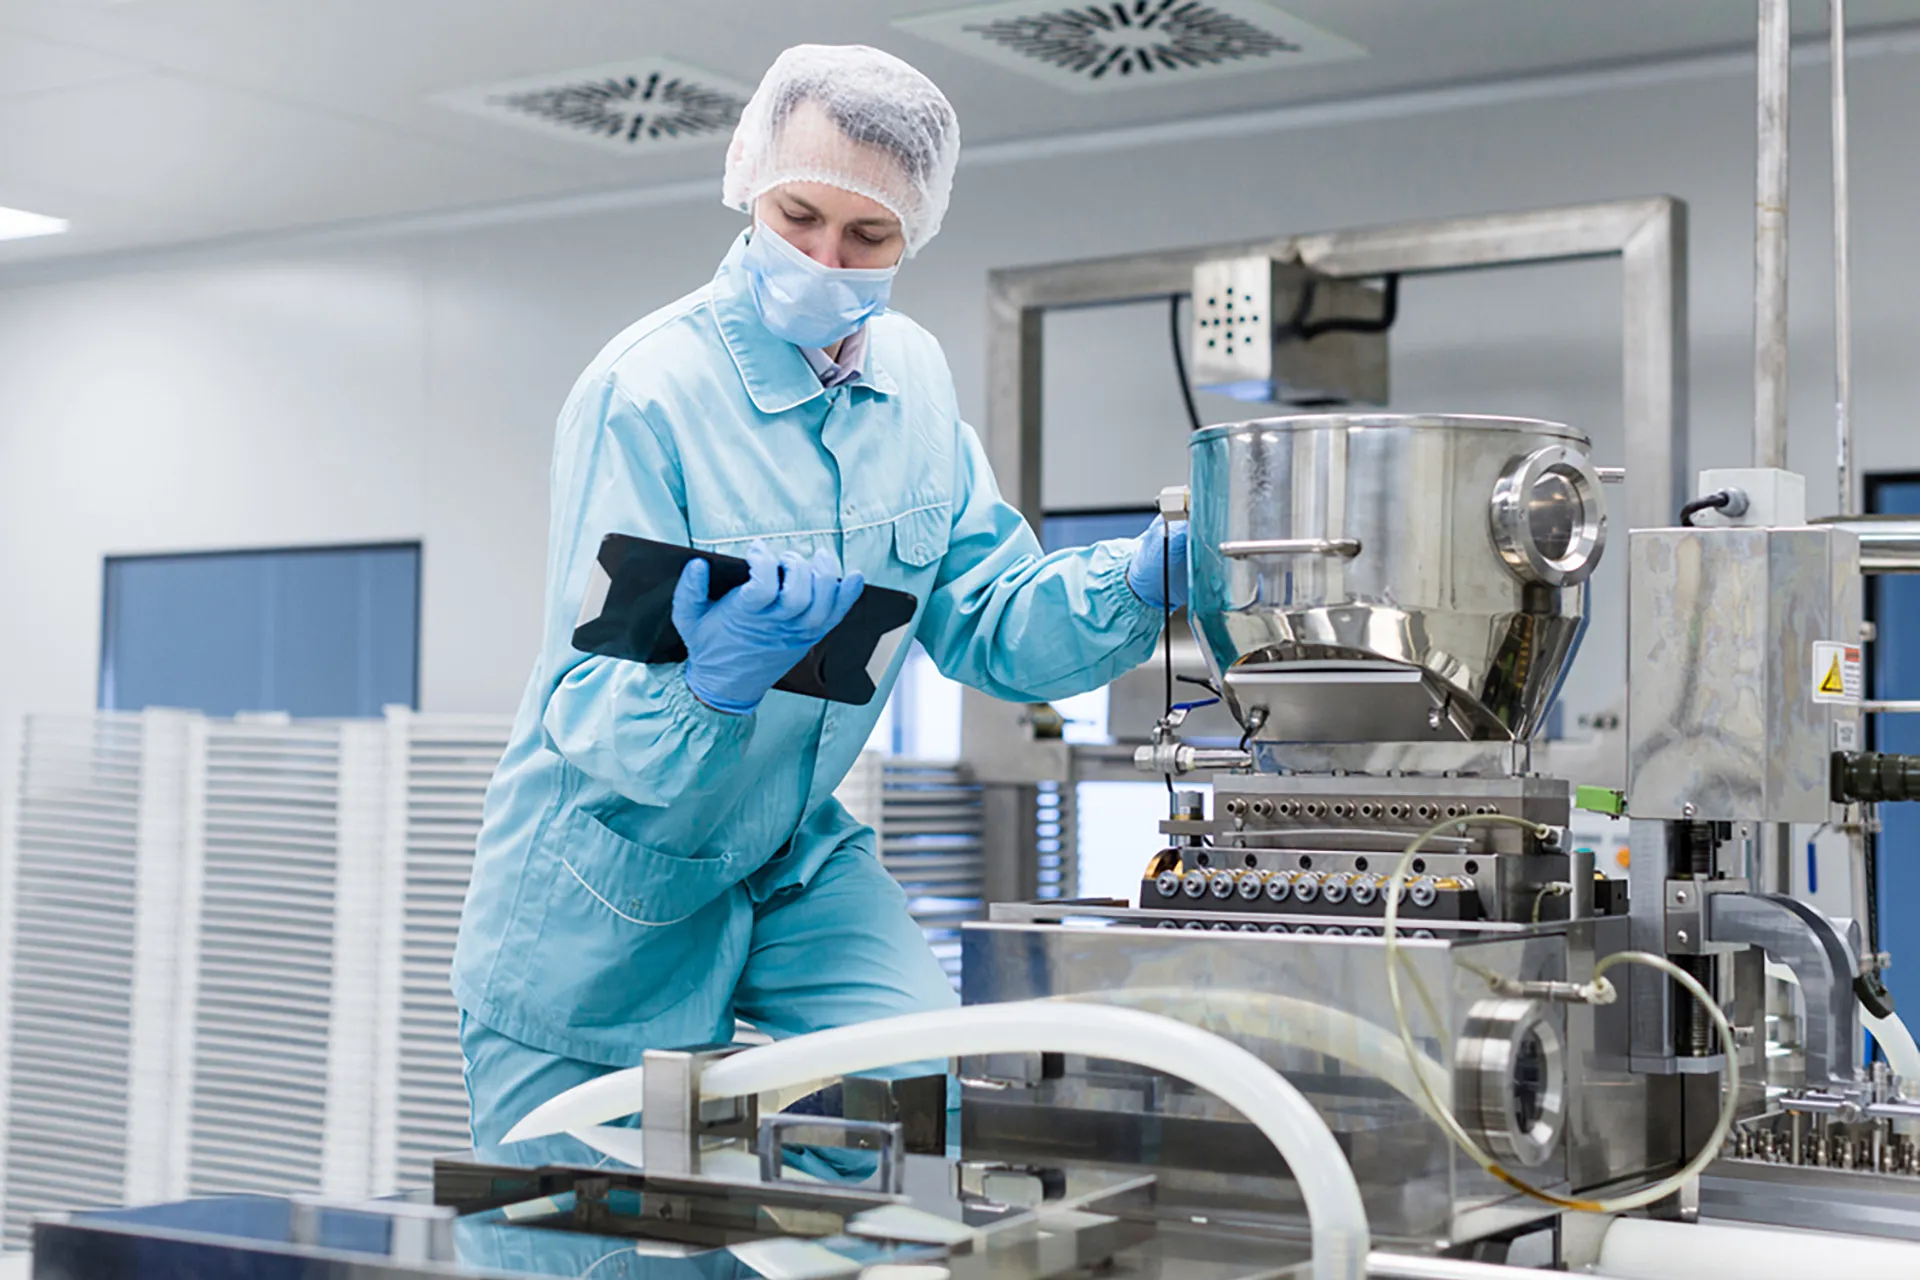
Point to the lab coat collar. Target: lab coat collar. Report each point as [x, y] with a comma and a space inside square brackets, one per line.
[777, 376]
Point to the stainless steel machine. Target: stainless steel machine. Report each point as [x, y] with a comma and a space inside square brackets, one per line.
[1387, 605]
[1402, 960]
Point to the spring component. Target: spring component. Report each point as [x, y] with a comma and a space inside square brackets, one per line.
[1692, 1031]
[1872, 777]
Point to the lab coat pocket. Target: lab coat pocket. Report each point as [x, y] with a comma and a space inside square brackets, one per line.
[920, 537]
[643, 886]
[625, 924]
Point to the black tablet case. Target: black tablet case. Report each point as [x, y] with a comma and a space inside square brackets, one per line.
[635, 621]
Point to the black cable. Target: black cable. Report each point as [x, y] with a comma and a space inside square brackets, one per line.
[1166, 609]
[1180, 360]
[1712, 502]
[1256, 721]
[1297, 326]
[1208, 685]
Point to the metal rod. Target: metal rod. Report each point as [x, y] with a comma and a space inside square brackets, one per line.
[1891, 708]
[1770, 240]
[1403, 1266]
[1888, 544]
[1253, 548]
[1842, 264]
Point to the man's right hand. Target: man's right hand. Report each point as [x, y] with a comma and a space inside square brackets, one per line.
[740, 644]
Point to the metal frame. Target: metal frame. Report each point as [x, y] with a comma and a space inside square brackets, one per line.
[1648, 235]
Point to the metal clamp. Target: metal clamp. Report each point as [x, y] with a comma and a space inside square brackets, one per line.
[1514, 506]
[1824, 960]
[777, 1132]
[1251, 548]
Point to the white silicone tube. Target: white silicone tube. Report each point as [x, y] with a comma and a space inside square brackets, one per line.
[1288, 1022]
[1338, 1219]
[1644, 1249]
[1897, 1043]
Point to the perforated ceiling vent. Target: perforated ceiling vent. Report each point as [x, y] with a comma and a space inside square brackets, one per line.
[1094, 47]
[634, 107]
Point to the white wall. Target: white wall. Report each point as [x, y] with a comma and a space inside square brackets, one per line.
[405, 386]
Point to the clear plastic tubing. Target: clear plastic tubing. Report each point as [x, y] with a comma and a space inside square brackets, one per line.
[1334, 1210]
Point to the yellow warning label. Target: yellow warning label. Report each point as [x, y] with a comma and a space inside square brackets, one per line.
[1837, 673]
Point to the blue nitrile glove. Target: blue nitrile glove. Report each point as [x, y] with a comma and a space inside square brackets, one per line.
[1150, 575]
[738, 645]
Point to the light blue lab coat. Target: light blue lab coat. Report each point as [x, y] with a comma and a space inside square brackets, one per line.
[649, 867]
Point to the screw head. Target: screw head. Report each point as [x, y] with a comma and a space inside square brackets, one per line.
[1680, 936]
[1680, 897]
[1689, 809]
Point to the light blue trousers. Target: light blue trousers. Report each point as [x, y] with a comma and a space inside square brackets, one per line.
[838, 950]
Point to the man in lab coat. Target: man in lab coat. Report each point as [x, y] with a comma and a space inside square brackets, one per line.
[662, 852]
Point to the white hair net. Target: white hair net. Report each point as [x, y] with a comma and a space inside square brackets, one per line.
[851, 117]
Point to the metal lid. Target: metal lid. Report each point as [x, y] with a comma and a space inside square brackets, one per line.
[1390, 421]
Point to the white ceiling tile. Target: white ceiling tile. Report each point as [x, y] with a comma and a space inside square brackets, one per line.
[257, 116]
[30, 64]
[238, 160]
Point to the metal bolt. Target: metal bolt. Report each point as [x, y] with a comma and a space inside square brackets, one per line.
[1680, 897]
[1680, 936]
[1688, 810]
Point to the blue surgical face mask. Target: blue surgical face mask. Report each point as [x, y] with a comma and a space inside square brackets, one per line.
[805, 303]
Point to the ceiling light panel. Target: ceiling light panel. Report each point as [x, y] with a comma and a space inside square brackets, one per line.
[18, 224]
[635, 107]
[1095, 48]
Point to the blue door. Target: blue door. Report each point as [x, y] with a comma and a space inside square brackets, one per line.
[1894, 605]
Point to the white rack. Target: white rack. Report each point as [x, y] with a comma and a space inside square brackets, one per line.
[225, 945]
[435, 788]
[89, 851]
[929, 835]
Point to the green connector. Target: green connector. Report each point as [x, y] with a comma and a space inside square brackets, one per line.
[1601, 800]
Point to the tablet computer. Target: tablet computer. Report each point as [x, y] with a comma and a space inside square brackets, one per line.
[628, 613]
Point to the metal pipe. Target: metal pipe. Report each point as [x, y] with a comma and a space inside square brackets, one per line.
[1888, 544]
[1894, 708]
[1842, 263]
[1406, 1266]
[1770, 240]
